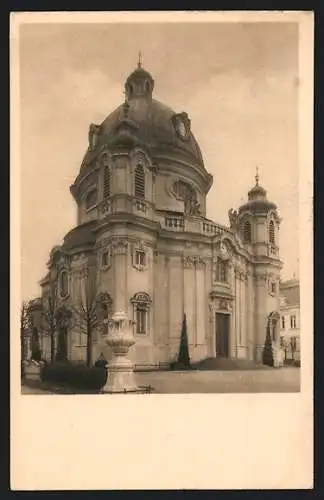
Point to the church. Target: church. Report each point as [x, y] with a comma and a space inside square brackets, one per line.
[143, 231]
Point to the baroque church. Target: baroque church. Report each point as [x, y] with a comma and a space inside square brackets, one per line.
[142, 229]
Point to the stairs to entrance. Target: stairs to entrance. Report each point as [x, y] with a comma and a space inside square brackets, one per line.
[227, 364]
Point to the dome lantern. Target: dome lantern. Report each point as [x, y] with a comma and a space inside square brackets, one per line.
[139, 83]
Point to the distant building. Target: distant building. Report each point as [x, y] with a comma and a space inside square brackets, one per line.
[290, 312]
[143, 231]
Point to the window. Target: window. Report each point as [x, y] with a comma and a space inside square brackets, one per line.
[273, 288]
[105, 259]
[141, 314]
[247, 232]
[293, 321]
[283, 323]
[91, 199]
[271, 232]
[140, 258]
[106, 182]
[64, 284]
[139, 182]
[221, 270]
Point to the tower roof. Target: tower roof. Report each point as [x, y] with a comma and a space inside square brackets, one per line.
[257, 198]
[257, 192]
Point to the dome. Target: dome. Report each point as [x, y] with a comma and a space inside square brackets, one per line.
[257, 192]
[257, 199]
[146, 122]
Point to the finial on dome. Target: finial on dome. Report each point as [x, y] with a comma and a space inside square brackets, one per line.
[257, 176]
[139, 64]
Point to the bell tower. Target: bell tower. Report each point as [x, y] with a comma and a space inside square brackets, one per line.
[258, 224]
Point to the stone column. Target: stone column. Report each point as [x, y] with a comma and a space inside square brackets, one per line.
[120, 370]
[260, 314]
[120, 254]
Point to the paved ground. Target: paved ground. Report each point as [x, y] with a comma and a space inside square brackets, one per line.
[164, 382]
[276, 380]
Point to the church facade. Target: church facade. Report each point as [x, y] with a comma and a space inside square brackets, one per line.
[143, 232]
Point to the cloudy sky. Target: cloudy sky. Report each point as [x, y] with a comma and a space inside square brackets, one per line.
[237, 81]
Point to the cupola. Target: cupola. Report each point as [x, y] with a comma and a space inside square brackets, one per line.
[139, 83]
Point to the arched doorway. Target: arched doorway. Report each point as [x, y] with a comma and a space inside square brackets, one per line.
[274, 325]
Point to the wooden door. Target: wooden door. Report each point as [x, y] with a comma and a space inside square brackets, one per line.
[222, 335]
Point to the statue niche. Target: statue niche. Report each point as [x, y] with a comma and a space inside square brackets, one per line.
[188, 195]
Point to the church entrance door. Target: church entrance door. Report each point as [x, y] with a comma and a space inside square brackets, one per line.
[222, 335]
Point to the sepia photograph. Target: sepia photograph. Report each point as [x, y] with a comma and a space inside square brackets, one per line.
[159, 195]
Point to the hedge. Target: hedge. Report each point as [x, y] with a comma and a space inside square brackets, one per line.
[78, 376]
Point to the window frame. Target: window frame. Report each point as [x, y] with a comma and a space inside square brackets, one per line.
[222, 268]
[247, 235]
[64, 272]
[142, 304]
[93, 205]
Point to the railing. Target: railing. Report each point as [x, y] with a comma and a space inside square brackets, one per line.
[210, 228]
[130, 204]
[174, 223]
[140, 205]
[273, 251]
[106, 207]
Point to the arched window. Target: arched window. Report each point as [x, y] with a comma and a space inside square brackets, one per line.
[271, 232]
[106, 181]
[141, 304]
[91, 199]
[64, 284]
[222, 270]
[139, 182]
[247, 232]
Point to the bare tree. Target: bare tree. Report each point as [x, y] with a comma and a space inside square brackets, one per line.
[25, 326]
[63, 323]
[50, 308]
[86, 309]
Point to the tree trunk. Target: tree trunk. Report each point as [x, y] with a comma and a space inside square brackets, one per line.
[89, 344]
[52, 347]
[61, 354]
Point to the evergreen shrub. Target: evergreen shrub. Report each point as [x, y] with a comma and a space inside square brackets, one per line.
[76, 376]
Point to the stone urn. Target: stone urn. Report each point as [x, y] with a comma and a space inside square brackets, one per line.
[120, 339]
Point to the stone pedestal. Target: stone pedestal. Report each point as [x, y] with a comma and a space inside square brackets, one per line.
[120, 369]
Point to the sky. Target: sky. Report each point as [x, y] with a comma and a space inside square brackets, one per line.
[238, 82]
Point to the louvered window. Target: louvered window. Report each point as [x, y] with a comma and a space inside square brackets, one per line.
[139, 182]
[247, 232]
[271, 233]
[106, 182]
